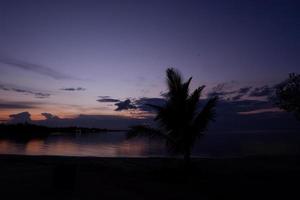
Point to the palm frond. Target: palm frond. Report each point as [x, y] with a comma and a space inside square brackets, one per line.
[185, 88]
[193, 102]
[205, 116]
[174, 82]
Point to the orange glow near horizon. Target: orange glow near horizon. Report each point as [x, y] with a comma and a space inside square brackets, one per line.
[36, 113]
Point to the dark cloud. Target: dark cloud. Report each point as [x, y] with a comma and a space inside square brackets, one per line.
[39, 95]
[240, 93]
[219, 87]
[73, 89]
[23, 117]
[46, 71]
[163, 94]
[222, 90]
[220, 94]
[237, 97]
[225, 92]
[16, 105]
[140, 104]
[49, 116]
[263, 91]
[107, 99]
[125, 105]
[4, 88]
[103, 97]
[143, 103]
[244, 90]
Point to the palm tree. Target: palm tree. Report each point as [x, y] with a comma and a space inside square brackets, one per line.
[180, 121]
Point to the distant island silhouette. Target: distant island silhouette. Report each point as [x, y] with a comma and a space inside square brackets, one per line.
[29, 131]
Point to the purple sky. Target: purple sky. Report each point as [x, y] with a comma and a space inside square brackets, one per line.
[60, 56]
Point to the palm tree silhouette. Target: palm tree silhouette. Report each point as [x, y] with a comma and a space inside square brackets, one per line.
[180, 122]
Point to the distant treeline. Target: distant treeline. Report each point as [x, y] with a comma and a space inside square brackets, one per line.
[35, 131]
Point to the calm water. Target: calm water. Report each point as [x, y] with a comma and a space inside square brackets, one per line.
[114, 144]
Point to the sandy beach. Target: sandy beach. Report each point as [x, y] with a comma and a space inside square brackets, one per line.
[57, 177]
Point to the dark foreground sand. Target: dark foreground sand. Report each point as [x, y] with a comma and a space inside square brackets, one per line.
[49, 177]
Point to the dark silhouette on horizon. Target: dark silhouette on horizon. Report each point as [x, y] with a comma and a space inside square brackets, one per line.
[180, 122]
[287, 94]
[26, 131]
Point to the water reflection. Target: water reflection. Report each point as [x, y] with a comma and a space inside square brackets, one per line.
[96, 144]
[33, 146]
[115, 145]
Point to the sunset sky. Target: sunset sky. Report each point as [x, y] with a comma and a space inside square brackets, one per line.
[71, 58]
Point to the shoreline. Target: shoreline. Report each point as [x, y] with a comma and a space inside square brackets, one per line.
[195, 158]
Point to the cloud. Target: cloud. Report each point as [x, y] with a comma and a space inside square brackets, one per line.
[4, 88]
[263, 91]
[143, 103]
[121, 105]
[240, 93]
[125, 105]
[107, 99]
[222, 90]
[49, 116]
[39, 69]
[23, 117]
[244, 90]
[39, 95]
[163, 94]
[234, 93]
[237, 97]
[16, 105]
[73, 89]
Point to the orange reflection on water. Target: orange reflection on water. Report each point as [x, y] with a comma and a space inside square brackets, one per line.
[34, 147]
[132, 148]
[38, 147]
[9, 147]
[96, 145]
[4, 145]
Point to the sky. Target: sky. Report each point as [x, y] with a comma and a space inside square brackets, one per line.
[105, 58]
